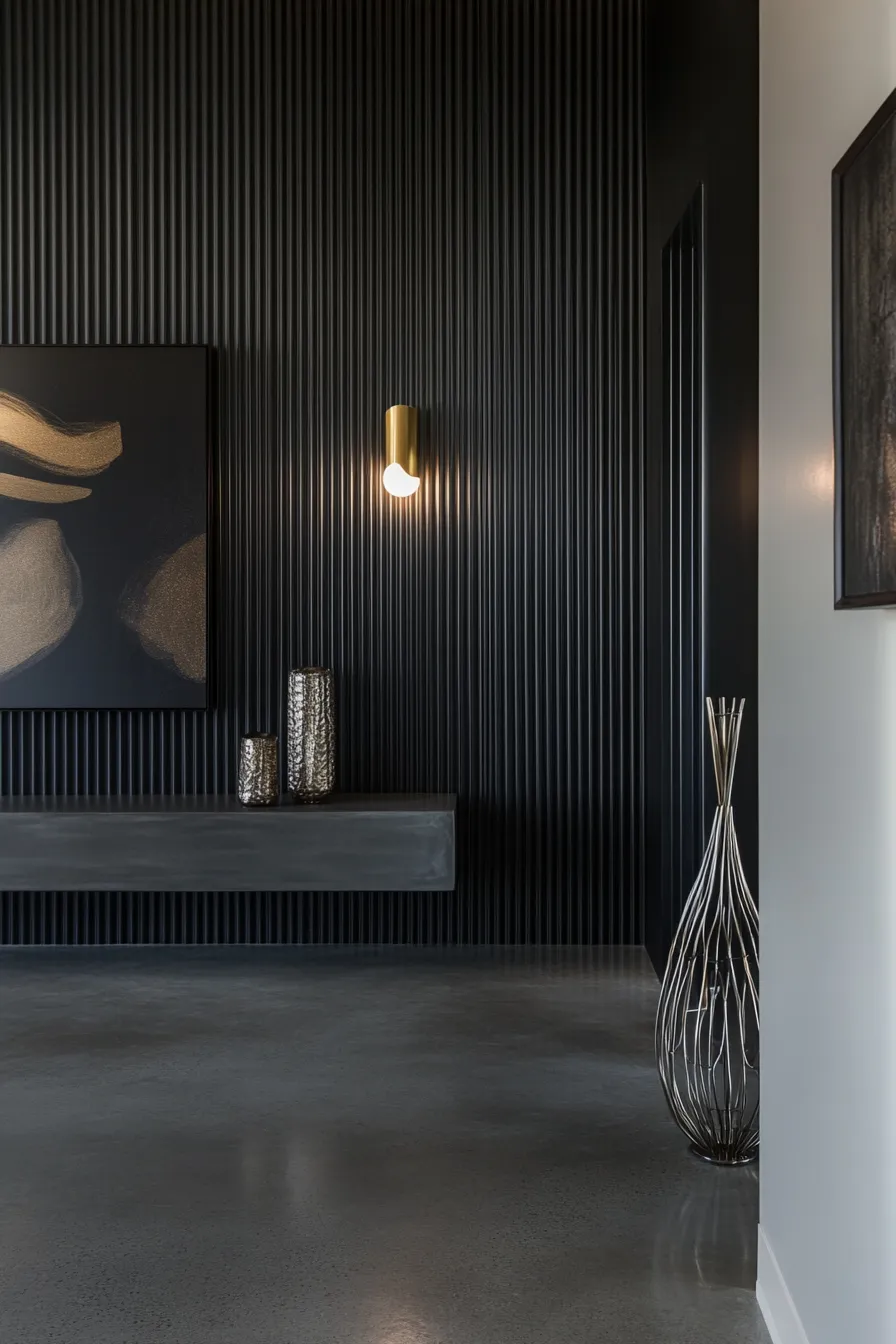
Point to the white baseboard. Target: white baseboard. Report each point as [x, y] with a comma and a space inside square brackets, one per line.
[775, 1302]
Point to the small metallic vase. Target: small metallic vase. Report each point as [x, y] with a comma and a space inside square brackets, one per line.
[258, 783]
[311, 734]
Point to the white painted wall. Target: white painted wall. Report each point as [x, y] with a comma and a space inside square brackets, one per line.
[827, 733]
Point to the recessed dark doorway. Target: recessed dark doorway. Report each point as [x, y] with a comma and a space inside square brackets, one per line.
[677, 676]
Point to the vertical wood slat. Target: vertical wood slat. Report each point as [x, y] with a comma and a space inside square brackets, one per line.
[356, 203]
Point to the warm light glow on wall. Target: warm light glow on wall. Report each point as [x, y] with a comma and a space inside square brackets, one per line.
[400, 476]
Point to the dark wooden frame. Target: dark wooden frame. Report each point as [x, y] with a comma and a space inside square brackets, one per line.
[842, 600]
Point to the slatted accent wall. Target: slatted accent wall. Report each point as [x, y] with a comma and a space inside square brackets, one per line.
[359, 203]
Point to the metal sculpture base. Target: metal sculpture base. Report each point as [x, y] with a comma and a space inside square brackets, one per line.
[724, 1161]
[707, 1025]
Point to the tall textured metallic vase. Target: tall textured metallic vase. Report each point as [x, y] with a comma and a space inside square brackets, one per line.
[258, 784]
[311, 734]
[707, 1026]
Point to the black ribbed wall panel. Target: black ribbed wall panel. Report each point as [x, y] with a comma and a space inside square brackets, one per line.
[359, 203]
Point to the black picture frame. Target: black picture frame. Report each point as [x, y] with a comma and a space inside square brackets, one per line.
[863, 198]
[162, 390]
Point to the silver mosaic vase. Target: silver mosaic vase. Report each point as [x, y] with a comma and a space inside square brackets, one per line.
[258, 783]
[311, 734]
[707, 1026]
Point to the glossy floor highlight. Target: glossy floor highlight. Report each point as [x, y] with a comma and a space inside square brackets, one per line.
[353, 1148]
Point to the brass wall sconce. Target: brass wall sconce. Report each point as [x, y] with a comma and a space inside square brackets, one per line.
[400, 477]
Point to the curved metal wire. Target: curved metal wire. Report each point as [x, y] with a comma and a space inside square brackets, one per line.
[707, 1025]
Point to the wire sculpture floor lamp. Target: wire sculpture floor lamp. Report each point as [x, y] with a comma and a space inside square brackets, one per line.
[707, 1025]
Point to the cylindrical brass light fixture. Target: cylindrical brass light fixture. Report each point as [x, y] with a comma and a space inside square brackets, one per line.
[400, 477]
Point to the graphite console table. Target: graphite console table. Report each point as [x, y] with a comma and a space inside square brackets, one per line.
[350, 842]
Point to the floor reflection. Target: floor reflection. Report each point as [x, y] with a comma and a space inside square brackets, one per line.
[708, 1238]
[354, 1150]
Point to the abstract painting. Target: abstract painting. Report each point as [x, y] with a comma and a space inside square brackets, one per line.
[864, 237]
[103, 522]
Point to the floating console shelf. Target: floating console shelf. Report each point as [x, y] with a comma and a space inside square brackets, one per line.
[350, 842]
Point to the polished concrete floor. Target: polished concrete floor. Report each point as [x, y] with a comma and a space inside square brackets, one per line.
[349, 1148]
